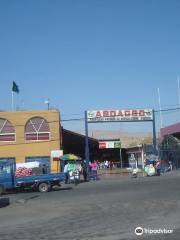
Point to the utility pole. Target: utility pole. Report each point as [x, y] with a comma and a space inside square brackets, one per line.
[120, 154]
[160, 109]
[86, 145]
[178, 92]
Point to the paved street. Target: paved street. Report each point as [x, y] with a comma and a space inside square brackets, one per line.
[109, 209]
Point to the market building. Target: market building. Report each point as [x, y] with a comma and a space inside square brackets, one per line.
[30, 135]
[27, 136]
[111, 150]
[169, 147]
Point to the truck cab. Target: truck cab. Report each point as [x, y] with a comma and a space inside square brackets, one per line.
[7, 169]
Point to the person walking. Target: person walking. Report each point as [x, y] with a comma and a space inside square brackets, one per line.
[94, 168]
[158, 168]
[66, 173]
[71, 168]
[111, 165]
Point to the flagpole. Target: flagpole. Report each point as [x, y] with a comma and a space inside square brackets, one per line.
[15, 89]
[12, 101]
[159, 99]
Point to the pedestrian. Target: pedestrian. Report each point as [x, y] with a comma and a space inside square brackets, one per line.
[90, 170]
[94, 167]
[170, 165]
[79, 166]
[66, 173]
[106, 164]
[158, 168]
[110, 165]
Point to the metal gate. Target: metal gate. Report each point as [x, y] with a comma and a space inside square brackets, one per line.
[169, 151]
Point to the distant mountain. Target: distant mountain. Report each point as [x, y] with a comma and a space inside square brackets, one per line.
[127, 139]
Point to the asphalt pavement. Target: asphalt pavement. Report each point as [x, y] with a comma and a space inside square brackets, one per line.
[108, 209]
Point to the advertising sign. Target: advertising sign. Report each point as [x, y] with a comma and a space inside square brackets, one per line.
[109, 144]
[56, 154]
[102, 145]
[120, 115]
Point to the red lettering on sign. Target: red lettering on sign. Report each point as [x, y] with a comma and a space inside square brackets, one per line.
[112, 113]
[119, 113]
[98, 114]
[134, 112]
[105, 114]
[127, 113]
[141, 113]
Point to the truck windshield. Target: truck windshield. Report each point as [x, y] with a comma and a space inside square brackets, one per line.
[5, 168]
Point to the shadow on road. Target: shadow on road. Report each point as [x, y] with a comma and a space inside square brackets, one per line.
[62, 189]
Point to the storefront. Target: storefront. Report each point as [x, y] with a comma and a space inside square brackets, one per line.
[137, 155]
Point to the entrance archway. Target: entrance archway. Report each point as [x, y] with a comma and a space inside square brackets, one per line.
[128, 115]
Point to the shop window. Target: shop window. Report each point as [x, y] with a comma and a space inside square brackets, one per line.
[7, 131]
[37, 129]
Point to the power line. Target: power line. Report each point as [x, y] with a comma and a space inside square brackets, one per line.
[168, 109]
[72, 114]
[82, 118]
[72, 119]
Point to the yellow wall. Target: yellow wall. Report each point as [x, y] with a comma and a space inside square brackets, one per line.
[22, 148]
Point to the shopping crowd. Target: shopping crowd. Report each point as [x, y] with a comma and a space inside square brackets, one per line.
[76, 169]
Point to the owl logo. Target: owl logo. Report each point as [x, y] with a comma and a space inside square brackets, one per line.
[91, 114]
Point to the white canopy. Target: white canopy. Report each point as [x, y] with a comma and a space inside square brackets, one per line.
[27, 165]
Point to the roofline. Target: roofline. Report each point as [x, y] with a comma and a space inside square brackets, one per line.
[80, 135]
[109, 139]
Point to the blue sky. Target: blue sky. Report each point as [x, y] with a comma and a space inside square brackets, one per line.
[96, 54]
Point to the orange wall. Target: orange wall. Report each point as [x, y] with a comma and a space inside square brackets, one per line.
[22, 148]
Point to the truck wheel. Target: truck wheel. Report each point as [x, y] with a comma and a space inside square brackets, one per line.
[1, 190]
[44, 187]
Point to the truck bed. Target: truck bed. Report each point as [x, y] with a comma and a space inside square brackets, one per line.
[43, 177]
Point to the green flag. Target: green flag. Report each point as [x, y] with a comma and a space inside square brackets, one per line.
[15, 87]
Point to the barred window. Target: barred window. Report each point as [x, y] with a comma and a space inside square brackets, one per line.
[7, 131]
[37, 129]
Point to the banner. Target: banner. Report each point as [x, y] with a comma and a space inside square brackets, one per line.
[109, 144]
[120, 115]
